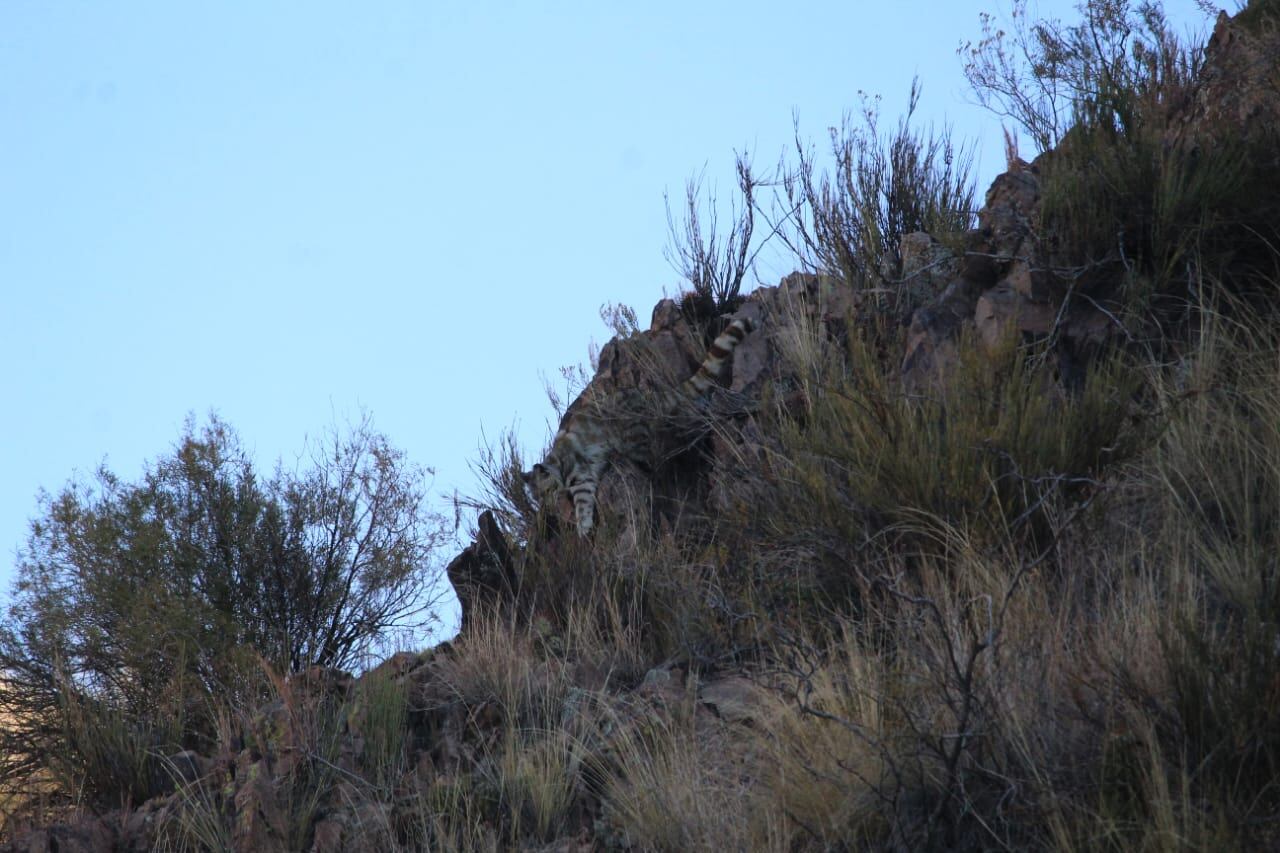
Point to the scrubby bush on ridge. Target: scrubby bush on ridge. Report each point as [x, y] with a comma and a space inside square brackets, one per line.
[141, 608]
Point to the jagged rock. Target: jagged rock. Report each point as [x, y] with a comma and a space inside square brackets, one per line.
[1003, 308]
[663, 355]
[978, 263]
[931, 346]
[89, 835]
[1033, 285]
[734, 699]
[1235, 95]
[323, 682]
[1009, 213]
[928, 267]
[802, 302]
[400, 665]
[1005, 281]
[260, 816]
[484, 572]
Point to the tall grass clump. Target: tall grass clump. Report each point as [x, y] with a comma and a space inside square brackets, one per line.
[309, 731]
[381, 715]
[535, 778]
[994, 453]
[1219, 466]
[500, 665]
[532, 696]
[198, 822]
[113, 758]
[827, 737]
[680, 783]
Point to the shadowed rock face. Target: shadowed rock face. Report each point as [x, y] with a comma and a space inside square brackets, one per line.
[1238, 84]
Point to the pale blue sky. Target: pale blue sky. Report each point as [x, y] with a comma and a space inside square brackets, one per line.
[287, 211]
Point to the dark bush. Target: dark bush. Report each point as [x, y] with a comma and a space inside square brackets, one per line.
[137, 603]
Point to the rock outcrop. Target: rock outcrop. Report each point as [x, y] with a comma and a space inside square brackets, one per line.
[484, 572]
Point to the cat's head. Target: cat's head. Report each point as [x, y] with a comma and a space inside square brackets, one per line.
[545, 479]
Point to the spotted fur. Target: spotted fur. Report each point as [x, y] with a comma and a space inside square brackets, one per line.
[593, 433]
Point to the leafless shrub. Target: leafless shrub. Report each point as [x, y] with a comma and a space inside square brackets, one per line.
[714, 263]
[851, 223]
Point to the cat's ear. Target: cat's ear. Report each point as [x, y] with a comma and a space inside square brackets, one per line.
[539, 476]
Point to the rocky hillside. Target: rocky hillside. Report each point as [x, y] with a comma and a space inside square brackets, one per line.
[973, 550]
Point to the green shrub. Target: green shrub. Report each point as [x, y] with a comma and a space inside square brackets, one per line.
[381, 715]
[153, 600]
[985, 455]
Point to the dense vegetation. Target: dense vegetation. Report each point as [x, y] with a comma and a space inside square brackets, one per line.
[141, 611]
[1014, 612]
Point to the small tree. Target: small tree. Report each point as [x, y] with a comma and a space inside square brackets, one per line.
[148, 600]
[359, 520]
[1047, 76]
